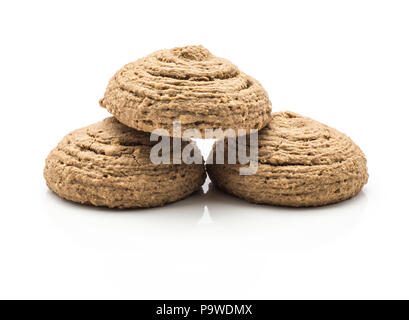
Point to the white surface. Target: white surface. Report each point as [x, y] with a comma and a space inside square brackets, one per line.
[344, 63]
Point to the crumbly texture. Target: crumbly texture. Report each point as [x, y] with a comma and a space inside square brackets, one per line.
[301, 163]
[108, 164]
[189, 85]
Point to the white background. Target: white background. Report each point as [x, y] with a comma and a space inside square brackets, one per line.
[344, 63]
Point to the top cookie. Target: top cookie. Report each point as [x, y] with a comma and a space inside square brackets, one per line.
[189, 85]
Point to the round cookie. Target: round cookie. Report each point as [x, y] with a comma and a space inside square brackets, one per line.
[189, 85]
[108, 164]
[301, 163]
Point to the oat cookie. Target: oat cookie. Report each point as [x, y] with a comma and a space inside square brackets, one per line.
[189, 85]
[301, 163]
[108, 164]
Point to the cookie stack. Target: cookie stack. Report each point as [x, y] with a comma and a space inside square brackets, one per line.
[301, 162]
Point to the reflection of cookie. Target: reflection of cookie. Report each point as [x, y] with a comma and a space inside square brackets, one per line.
[108, 164]
[301, 162]
[189, 85]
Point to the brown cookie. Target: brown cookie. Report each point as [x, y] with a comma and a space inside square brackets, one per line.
[301, 163]
[108, 164]
[189, 85]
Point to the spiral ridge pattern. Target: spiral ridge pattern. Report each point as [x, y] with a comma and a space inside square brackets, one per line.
[301, 162]
[189, 85]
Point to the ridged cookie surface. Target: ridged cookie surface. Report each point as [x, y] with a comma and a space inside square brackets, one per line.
[189, 85]
[301, 162]
[108, 164]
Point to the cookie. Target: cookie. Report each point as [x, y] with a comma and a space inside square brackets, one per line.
[108, 164]
[301, 163]
[188, 85]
